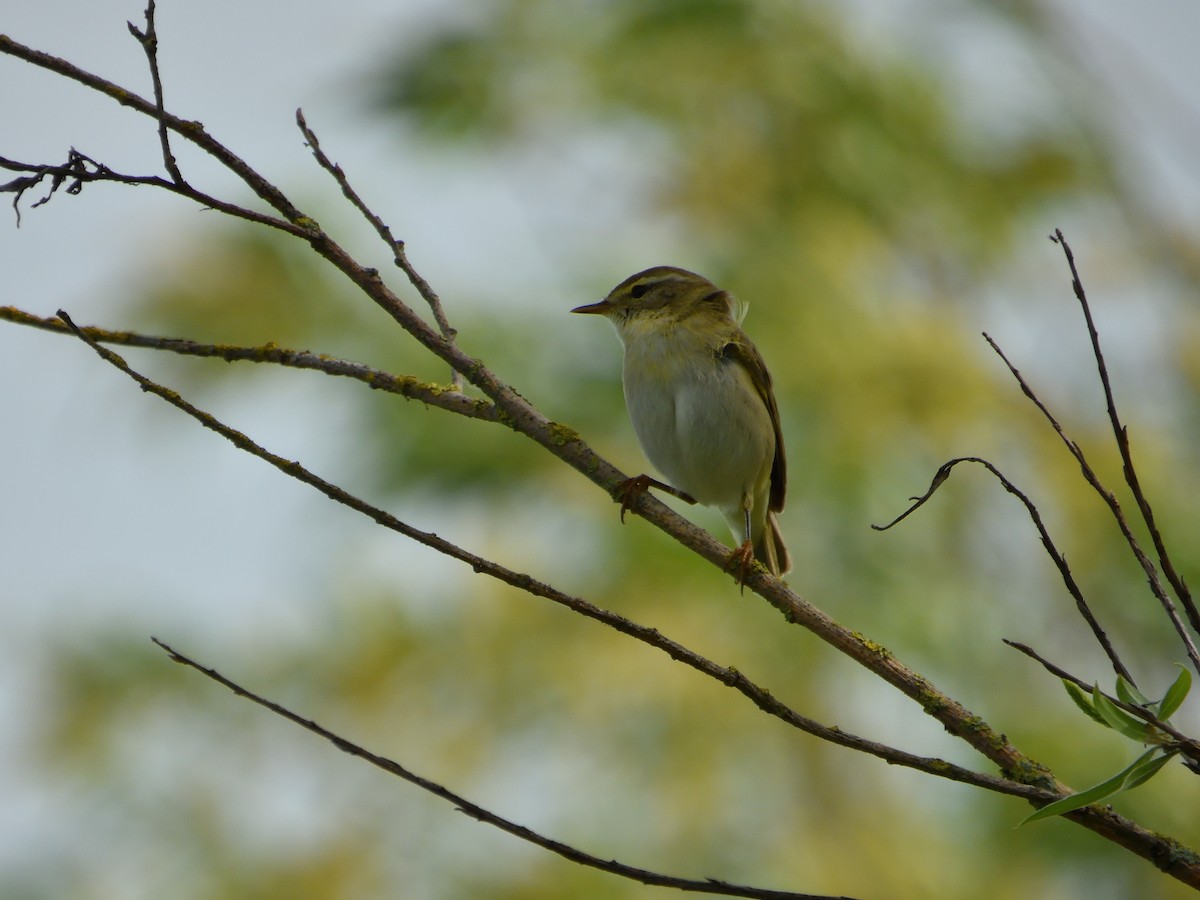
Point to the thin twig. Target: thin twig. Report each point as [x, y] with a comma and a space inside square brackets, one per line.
[1114, 506]
[1060, 561]
[149, 41]
[1121, 436]
[466, 807]
[761, 697]
[405, 385]
[399, 254]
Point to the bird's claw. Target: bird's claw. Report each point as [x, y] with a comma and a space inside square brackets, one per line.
[740, 561]
[632, 488]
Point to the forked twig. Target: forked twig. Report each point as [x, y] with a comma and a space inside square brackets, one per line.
[1060, 561]
[466, 807]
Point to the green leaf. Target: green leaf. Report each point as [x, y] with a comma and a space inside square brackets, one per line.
[1143, 772]
[1118, 719]
[1128, 693]
[1175, 694]
[1116, 784]
[1083, 701]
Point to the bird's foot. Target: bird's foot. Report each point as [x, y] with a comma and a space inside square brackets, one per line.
[631, 488]
[740, 562]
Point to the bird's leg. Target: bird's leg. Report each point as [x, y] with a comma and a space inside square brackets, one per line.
[743, 557]
[632, 488]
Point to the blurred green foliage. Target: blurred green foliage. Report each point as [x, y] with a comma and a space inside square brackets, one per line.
[844, 194]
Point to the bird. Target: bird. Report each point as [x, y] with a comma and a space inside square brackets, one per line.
[702, 405]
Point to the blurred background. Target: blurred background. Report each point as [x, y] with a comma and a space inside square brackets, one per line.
[876, 180]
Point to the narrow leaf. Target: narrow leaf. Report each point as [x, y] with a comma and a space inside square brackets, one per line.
[1143, 772]
[1118, 719]
[1175, 694]
[1077, 801]
[1114, 785]
[1129, 693]
[1083, 701]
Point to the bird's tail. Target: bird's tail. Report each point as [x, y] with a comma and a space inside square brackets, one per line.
[769, 549]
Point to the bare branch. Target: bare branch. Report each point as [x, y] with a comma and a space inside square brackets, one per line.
[405, 385]
[149, 41]
[1121, 436]
[465, 806]
[518, 413]
[396, 246]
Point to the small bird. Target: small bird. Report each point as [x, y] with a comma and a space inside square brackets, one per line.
[700, 399]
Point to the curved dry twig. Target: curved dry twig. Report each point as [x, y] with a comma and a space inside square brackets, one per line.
[191, 131]
[466, 807]
[1060, 561]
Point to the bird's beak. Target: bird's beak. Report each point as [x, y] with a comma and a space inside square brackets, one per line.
[601, 308]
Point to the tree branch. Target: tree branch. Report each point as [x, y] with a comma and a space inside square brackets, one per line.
[405, 385]
[191, 131]
[466, 807]
[1167, 854]
[80, 169]
[761, 697]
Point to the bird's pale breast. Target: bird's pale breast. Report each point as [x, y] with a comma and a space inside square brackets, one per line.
[698, 418]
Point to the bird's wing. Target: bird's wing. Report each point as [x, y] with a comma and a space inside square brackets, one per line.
[741, 350]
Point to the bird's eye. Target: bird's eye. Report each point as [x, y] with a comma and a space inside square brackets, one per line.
[639, 290]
